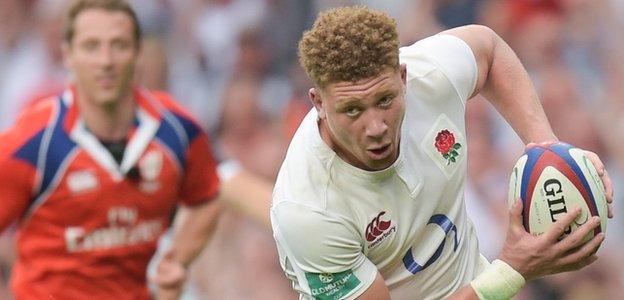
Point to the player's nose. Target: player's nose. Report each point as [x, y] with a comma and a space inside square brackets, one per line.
[105, 56]
[376, 128]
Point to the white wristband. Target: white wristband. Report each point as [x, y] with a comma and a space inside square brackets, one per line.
[497, 282]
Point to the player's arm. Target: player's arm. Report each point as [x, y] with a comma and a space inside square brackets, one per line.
[378, 290]
[195, 220]
[324, 253]
[15, 191]
[17, 179]
[246, 192]
[193, 227]
[505, 83]
[526, 257]
[503, 80]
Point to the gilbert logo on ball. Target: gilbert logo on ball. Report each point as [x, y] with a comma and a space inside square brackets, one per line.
[550, 180]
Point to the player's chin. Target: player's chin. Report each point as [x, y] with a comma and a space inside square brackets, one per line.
[108, 96]
[381, 164]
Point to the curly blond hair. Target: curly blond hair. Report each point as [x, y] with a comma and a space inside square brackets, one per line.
[348, 44]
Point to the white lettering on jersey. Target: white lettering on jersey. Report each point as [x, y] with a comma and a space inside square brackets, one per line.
[123, 230]
[82, 181]
[122, 215]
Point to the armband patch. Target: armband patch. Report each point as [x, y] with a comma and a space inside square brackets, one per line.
[332, 285]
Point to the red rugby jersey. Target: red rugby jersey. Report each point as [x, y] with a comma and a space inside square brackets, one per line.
[87, 230]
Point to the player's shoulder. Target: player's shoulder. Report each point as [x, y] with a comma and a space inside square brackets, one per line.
[171, 104]
[443, 62]
[176, 113]
[304, 174]
[31, 122]
[432, 45]
[433, 52]
[37, 115]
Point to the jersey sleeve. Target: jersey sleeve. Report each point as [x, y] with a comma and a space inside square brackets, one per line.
[448, 53]
[201, 182]
[324, 253]
[18, 155]
[15, 190]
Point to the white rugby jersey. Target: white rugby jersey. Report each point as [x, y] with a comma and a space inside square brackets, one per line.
[337, 225]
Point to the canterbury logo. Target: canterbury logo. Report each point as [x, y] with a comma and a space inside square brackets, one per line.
[376, 227]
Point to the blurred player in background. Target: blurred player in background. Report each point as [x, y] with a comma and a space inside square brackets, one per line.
[369, 201]
[94, 175]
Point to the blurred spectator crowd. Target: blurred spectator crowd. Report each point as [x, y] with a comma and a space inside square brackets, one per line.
[233, 63]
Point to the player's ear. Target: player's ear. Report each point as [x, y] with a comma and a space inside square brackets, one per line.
[403, 70]
[317, 101]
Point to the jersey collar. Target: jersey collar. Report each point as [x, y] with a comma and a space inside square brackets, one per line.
[147, 122]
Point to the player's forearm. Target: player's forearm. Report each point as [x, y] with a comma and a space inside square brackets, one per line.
[193, 227]
[497, 281]
[509, 88]
[249, 194]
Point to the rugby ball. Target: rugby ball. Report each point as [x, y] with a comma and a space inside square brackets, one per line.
[550, 180]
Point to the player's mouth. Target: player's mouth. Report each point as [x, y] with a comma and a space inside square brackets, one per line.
[107, 81]
[379, 152]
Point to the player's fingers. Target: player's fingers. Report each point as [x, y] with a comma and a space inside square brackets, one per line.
[170, 274]
[530, 145]
[515, 217]
[573, 267]
[575, 239]
[602, 172]
[609, 210]
[579, 255]
[544, 143]
[608, 185]
[170, 283]
[559, 227]
[595, 160]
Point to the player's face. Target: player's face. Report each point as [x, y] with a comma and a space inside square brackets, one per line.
[363, 119]
[102, 55]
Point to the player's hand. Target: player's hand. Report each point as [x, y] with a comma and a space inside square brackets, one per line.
[537, 256]
[606, 180]
[170, 278]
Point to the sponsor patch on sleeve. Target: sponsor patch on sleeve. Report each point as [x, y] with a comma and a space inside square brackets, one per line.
[332, 285]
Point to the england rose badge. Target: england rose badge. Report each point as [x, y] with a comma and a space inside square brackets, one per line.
[446, 145]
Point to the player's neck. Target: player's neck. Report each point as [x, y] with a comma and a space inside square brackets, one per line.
[111, 121]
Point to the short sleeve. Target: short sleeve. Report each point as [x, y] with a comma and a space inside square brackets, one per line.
[17, 177]
[448, 53]
[324, 253]
[200, 182]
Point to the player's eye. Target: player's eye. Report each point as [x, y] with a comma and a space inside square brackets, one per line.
[352, 111]
[90, 46]
[386, 101]
[120, 45]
